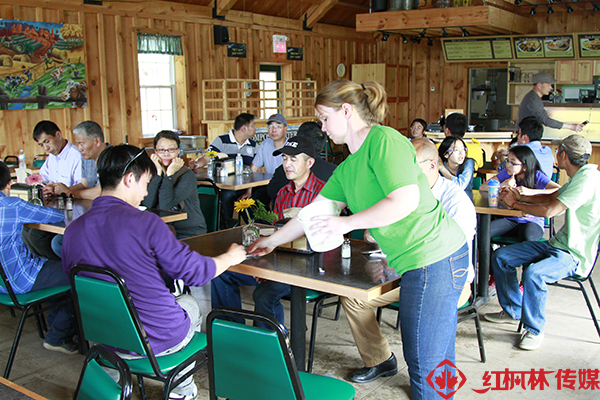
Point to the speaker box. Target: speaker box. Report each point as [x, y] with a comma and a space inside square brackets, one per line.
[221, 34]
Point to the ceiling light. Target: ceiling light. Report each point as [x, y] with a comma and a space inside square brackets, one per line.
[416, 40]
[550, 10]
[518, 2]
[464, 31]
[569, 9]
[444, 33]
[404, 39]
[422, 34]
[550, 1]
[596, 8]
[532, 12]
[429, 42]
[385, 36]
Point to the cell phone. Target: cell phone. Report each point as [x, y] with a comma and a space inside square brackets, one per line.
[585, 122]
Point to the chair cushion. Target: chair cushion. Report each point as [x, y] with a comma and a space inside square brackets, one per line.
[32, 297]
[323, 387]
[168, 362]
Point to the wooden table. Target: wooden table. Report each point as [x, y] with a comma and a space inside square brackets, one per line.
[484, 220]
[359, 277]
[81, 206]
[234, 182]
[12, 391]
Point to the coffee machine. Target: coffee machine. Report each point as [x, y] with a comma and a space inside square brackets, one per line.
[597, 89]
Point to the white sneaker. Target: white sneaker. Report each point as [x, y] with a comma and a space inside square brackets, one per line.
[177, 396]
[530, 341]
[501, 317]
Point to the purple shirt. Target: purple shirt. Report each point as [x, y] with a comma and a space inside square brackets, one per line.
[541, 180]
[138, 245]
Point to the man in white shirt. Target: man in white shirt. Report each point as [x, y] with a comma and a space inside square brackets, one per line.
[372, 346]
[264, 156]
[63, 164]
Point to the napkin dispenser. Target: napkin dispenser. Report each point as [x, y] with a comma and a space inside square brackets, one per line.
[229, 163]
[299, 245]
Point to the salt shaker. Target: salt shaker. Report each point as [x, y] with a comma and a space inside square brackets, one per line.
[224, 173]
[346, 250]
[69, 203]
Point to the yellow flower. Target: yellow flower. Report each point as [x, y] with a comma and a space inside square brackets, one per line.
[241, 205]
[211, 154]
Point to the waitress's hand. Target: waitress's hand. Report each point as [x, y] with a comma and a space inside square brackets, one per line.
[261, 247]
[330, 225]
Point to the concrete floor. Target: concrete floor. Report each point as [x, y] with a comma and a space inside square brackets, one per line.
[571, 343]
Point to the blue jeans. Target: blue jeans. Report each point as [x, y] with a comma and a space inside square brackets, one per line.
[524, 231]
[60, 319]
[428, 317]
[225, 292]
[547, 264]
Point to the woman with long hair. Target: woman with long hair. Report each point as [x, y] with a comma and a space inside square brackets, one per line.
[457, 167]
[384, 187]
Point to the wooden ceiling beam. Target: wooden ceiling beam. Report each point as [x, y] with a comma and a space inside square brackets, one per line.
[223, 6]
[316, 12]
[481, 16]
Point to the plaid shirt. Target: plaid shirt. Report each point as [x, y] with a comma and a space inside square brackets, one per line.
[20, 265]
[288, 198]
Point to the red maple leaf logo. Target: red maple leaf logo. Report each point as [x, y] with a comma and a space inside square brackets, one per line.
[446, 380]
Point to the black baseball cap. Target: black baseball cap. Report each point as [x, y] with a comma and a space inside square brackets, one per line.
[297, 145]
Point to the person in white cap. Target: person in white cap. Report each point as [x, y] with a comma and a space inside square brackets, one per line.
[572, 251]
[264, 156]
[532, 103]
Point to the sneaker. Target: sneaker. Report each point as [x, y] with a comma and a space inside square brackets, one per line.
[492, 286]
[67, 348]
[177, 396]
[500, 318]
[530, 341]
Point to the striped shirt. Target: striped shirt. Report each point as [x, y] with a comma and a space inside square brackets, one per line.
[288, 198]
[20, 265]
[227, 144]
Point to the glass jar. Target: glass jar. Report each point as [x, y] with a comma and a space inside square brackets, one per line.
[35, 196]
[249, 234]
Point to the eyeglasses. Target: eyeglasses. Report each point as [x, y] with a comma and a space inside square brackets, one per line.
[459, 150]
[416, 127]
[514, 164]
[132, 160]
[165, 151]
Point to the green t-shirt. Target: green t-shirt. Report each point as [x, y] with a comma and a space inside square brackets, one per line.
[579, 235]
[387, 161]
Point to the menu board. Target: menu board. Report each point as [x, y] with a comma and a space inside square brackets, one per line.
[559, 46]
[529, 47]
[589, 45]
[502, 48]
[468, 49]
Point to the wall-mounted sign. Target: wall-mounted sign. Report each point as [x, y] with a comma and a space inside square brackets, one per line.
[529, 47]
[478, 49]
[559, 46]
[502, 48]
[236, 50]
[294, 53]
[589, 45]
[279, 43]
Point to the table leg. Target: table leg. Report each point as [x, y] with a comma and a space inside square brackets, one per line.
[483, 232]
[298, 326]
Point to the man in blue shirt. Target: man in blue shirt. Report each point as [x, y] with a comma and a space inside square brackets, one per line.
[530, 134]
[25, 271]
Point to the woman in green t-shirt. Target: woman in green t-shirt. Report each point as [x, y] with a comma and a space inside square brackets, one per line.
[383, 185]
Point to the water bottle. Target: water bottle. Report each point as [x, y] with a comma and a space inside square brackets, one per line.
[239, 165]
[22, 163]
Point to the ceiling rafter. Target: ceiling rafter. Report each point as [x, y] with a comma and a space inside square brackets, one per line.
[316, 12]
[223, 6]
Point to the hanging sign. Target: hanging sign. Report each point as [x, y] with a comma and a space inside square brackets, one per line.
[294, 53]
[236, 50]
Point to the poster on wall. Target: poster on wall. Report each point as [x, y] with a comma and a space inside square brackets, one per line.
[42, 65]
[589, 45]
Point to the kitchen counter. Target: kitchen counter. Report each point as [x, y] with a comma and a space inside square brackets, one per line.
[573, 105]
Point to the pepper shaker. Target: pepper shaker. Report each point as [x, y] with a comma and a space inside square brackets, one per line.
[346, 249]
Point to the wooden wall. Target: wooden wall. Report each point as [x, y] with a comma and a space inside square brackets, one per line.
[111, 53]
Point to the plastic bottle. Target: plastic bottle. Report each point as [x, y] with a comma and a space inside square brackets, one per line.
[22, 163]
[239, 164]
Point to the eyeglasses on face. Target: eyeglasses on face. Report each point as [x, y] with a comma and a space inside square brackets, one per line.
[514, 164]
[165, 151]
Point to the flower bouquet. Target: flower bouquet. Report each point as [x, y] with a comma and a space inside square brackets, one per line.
[259, 212]
[35, 183]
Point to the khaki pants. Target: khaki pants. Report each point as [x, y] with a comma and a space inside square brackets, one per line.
[372, 346]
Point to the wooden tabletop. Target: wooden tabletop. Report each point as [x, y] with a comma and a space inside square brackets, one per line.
[81, 206]
[480, 200]
[11, 391]
[358, 277]
[235, 182]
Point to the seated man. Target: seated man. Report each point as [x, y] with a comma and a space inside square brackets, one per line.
[89, 140]
[25, 271]
[571, 251]
[456, 125]
[372, 346]
[139, 246]
[298, 158]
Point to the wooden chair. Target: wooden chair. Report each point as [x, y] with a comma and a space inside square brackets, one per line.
[328, 152]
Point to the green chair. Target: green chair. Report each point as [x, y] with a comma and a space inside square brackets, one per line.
[96, 384]
[106, 315]
[246, 362]
[328, 152]
[30, 304]
[39, 160]
[210, 204]
[11, 160]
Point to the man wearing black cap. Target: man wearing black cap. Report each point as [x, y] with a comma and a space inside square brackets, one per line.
[304, 186]
[532, 103]
[572, 251]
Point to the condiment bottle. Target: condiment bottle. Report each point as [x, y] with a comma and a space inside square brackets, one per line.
[346, 249]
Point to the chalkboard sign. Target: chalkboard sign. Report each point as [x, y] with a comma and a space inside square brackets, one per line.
[294, 53]
[236, 50]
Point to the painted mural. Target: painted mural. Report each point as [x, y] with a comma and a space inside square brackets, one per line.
[42, 65]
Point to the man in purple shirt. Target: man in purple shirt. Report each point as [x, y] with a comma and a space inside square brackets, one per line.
[139, 246]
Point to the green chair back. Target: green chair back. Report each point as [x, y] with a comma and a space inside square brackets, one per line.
[96, 384]
[38, 160]
[11, 160]
[209, 204]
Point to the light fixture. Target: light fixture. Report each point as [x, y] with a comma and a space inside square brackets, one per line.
[385, 36]
[596, 8]
[404, 39]
[464, 31]
[429, 42]
[533, 12]
[444, 33]
[518, 2]
[569, 9]
[550, 1]
[416, 40]
[423, 32]
[550, 10]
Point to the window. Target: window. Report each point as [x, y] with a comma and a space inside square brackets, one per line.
[269, 97]
[157, 93]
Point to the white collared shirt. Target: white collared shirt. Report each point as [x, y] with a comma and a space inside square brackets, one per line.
[64, 168]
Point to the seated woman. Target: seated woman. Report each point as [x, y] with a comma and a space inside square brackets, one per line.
[174, 187]
[457, 167]
[523, 172]
[417, 129]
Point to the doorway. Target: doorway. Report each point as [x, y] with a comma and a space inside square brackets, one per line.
[488, 104]
[269, 76]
